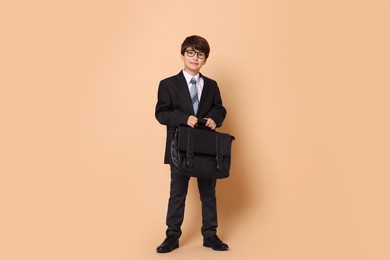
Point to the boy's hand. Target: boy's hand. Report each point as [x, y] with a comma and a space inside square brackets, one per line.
[192, 121]
[210, 123]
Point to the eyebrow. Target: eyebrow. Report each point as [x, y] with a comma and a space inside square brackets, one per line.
[192, 49]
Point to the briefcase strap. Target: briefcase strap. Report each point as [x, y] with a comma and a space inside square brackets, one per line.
[190, 150]
[219, 157]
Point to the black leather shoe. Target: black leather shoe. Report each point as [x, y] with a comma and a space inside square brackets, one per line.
[170, 243]
[215, 243]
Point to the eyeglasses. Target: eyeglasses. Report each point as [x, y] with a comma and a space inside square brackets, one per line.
[191, 53]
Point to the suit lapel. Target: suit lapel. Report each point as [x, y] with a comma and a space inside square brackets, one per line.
[205, 93]
[184, 91]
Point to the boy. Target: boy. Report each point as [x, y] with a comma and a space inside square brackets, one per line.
[182, 99]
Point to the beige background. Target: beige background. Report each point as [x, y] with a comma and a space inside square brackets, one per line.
[306, 85]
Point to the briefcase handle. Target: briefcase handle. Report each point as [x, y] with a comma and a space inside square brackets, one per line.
[202, 121]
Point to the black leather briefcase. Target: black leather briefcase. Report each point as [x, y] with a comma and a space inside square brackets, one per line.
[201, 153]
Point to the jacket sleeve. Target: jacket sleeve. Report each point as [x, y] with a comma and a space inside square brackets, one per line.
[165, 112]
[218, 111]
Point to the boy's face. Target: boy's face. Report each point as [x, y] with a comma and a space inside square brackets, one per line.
[193, 64]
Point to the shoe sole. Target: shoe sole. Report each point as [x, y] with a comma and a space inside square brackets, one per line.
[167, 251]
[214, 248]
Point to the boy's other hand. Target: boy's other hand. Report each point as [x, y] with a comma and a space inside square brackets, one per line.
[210, 123]
[192, 121]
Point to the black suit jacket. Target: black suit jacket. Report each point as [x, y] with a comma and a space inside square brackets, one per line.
[174, 105]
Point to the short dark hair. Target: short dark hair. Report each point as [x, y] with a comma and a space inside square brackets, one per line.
[197, 43]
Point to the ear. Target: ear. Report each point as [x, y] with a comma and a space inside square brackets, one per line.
[204, 62]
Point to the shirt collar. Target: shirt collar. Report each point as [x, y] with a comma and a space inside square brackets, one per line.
[188, 77]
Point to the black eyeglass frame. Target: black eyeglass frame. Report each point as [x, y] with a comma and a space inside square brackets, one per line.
[201, 55]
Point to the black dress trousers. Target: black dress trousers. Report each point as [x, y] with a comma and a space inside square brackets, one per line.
[176, 205]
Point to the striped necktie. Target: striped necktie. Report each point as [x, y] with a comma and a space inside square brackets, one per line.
[194, 95]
